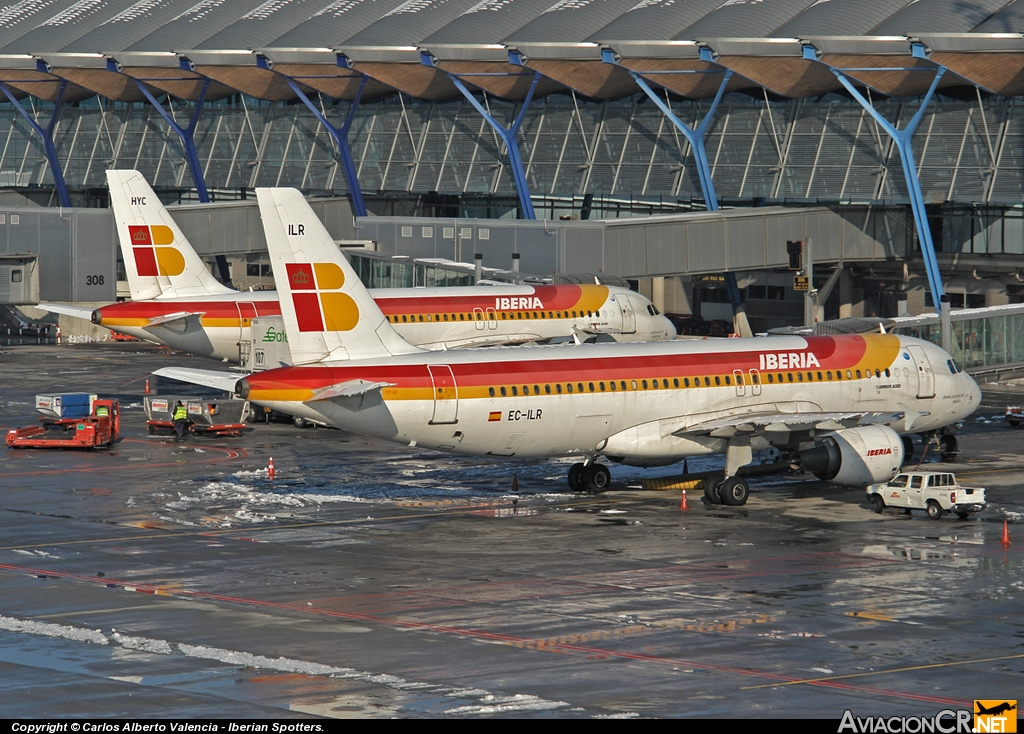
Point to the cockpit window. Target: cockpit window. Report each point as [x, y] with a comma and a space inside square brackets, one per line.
[954, 368]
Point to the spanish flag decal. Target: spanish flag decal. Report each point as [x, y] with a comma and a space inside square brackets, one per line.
[494, 416]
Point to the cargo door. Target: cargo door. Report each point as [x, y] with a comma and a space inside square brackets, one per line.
[246, 313]
[925, 375]
[446, 399]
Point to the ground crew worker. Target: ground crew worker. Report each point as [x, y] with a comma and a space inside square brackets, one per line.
[180, 420]
[102, 411]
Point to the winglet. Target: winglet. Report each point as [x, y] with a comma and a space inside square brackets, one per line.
[159, 261]
[327, 312]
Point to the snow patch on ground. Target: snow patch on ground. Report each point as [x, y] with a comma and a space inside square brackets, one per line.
[142, 644]
[495, 704]
[78, 634]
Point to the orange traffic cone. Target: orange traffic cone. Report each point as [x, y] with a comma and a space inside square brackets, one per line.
[683, 504]
[146, 391]
[1006, 535]
[270, 468]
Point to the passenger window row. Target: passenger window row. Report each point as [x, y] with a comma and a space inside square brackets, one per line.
[480, 316]
[676, 382]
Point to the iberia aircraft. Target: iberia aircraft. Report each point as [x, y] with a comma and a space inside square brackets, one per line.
[836, 405]
[177, 302]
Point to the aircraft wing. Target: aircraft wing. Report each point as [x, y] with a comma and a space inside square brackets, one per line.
[349, 389]
[166, 319]
[208, 378]
[776, 425]
[78, 313]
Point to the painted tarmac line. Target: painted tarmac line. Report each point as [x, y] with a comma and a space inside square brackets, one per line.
[499, 637]
[909, 669]
[230, 455]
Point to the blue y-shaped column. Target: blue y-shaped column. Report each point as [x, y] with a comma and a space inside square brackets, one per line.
[695, 136]
[186, 135]
[338, 134]
[508, 136]
[47, 137]
[904, 143]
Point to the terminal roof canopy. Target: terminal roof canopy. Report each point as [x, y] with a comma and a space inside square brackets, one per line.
[981, 42]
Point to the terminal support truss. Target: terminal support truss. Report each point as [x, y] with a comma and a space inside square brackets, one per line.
[338, 134]
[695, 136]
[47, 138]
[508, 136]
[185, 134]
[904, 143]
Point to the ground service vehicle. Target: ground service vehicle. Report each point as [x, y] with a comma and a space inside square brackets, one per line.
[98, 429]
[934, 492]
[836, 405]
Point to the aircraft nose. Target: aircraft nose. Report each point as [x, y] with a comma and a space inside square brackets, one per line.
[670, 328]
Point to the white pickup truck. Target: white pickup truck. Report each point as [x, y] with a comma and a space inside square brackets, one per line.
[933, 492]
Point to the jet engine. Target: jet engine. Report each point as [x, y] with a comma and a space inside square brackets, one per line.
[855, 456]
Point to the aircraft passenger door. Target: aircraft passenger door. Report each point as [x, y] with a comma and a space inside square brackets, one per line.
[755, 383]
[492, 319]
[446, 396]
[628, 316]
[925, 376]
[478, 318]
[741, 389]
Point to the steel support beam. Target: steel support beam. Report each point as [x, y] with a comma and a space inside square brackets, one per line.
[508, 136]
[338, 134]
[185, 134]
[47, 138]
[904, 144]
[695, 136]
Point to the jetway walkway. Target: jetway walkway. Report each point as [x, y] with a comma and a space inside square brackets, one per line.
[987, 342]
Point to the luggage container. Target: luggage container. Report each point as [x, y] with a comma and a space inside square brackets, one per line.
[207, 416]
[65, 405]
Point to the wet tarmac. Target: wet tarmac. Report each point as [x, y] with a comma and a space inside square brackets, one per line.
[164, 579]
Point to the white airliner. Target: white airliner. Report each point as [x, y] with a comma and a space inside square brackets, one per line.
[836, 405]
[177, 302]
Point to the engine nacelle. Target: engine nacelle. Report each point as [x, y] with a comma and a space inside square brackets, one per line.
[855, 456]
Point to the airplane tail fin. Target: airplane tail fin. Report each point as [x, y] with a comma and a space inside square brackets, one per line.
[327, 311]
[159, 261]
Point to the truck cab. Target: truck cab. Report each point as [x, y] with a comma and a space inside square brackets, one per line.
[934, 492]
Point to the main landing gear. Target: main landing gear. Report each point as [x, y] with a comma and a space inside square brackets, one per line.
[590, 477]
[720, 490]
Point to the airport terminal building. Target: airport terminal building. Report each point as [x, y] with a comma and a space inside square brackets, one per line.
[900, 117]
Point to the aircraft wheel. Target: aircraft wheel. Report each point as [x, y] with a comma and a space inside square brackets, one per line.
[576, 477]
[934, 510]
[908, 448]
[950, 448]
[711, 487]
[877, 503]
[299, 422]
[597, 478]
[734, 491]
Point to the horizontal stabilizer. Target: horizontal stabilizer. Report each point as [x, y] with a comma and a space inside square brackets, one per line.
[78, 313]
[172, 317]
[207, 378]
[349, 389]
